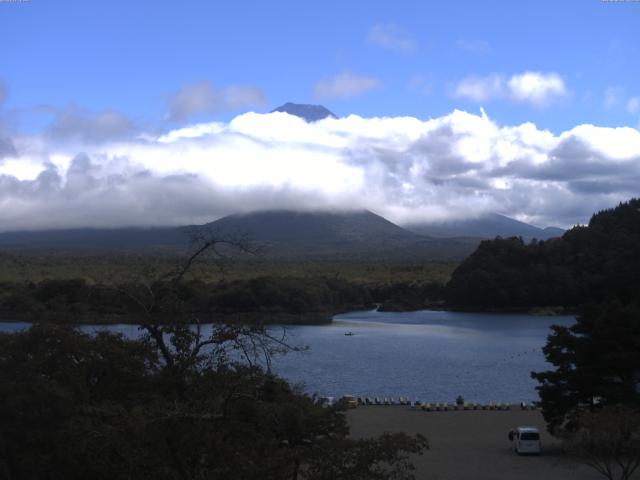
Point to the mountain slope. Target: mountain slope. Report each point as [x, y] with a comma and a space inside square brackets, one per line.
[488, 226]
[310, 113]
[281, 234]
[326, 226]
[329, 234]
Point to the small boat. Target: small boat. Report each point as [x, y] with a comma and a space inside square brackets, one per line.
[349, 334]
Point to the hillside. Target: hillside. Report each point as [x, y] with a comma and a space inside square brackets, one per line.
[291, 234]
[486, 226]
[592, 263]
[281, 234]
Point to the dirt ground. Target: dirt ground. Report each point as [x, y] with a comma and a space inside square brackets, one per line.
[471, 444]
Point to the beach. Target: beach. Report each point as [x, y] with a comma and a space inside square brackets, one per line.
[471, 444]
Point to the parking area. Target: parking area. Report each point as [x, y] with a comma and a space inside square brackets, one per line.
[471, 444]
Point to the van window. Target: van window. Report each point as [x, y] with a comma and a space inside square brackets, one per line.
[529, 436]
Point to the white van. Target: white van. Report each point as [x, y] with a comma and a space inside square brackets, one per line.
[525, 440]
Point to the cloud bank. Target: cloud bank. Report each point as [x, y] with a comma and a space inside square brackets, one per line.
[404, 168]
[535, 88]
[203, 98]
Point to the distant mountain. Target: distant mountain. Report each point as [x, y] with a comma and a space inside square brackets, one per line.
[335, 234]
[311, 113]
[281, 233]
[324, 226]
[552, 232]
[487, 226]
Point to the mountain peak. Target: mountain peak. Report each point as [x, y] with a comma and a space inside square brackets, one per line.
[310, 113]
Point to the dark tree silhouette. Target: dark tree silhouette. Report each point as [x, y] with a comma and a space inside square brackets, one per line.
[608, 440]
[597, 364]
[174, 404]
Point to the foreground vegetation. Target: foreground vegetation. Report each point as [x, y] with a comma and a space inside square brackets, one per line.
[74, 406]
[173, 404]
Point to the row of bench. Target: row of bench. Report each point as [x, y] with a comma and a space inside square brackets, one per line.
[439, 406]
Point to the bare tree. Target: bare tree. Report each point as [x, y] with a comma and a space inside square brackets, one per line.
[177, 332]
[609, 441]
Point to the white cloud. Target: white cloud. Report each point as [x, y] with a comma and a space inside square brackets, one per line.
[535, 88]
[76, 124]
[404, 168]
[480, 89]
[345, 85]
[633, 105]
[203, 98]
[392, 37]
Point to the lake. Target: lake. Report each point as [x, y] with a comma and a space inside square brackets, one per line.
[428, 355]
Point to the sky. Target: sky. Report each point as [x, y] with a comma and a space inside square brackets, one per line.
[157, 113]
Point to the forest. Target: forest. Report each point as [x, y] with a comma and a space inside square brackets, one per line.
[587, 264]
[93, 288]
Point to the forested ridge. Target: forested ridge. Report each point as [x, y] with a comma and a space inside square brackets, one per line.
[265, 299]
[588, 263]
[590, 397]
[75, 300]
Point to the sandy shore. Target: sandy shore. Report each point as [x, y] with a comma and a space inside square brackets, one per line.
[471, 444]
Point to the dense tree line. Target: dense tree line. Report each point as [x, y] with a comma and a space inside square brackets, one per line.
[593, 388]
[588, 263]
[403, 296]
[267, 297]
[597, 364]
[594, 269]
[75, 299]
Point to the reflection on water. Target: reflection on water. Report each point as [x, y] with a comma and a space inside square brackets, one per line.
[427, 355]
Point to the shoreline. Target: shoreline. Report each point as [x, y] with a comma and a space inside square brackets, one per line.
[261, 318]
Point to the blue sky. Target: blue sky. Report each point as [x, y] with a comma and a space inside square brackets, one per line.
[130, 56]
[151, 112]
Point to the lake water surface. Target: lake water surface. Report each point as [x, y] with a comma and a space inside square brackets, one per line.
[426, 355]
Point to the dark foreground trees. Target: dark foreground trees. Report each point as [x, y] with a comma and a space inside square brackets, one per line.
[597, 363]
[179, 402]
[608, 440]
[592, 397]
[74, 405]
